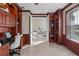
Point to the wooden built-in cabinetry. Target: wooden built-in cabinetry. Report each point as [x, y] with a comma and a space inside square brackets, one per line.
[19, 19]
[51, 28]
[9, 20]
[55, 27]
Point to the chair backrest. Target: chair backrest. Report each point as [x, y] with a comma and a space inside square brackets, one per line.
[16, 44]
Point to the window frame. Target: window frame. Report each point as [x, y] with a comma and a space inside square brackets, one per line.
[70, 10]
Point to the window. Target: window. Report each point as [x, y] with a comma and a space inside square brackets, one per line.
[72, 24]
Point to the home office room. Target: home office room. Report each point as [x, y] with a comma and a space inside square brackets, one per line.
[39, 28]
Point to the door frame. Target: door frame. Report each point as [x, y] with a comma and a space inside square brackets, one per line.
[31, 29]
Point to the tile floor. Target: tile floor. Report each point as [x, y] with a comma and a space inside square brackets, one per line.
[46, 49]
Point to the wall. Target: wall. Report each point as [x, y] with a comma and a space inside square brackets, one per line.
[25, 22]
[26, 27]
[73, 46]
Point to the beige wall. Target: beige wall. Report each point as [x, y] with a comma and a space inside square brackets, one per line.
[25, 22]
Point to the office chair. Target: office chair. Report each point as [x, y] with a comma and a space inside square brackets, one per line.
[15, 47]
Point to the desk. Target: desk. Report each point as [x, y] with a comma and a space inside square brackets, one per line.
[4, 50]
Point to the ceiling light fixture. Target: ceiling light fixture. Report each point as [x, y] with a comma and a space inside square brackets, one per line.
[36, 3]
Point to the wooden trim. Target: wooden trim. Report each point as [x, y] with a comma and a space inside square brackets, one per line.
[65, 24]
[67, 6]
[18, 7]
[72, 8]
[33, 13]
[29, 25]
[50, 13]
[27, 11]
[39, 16]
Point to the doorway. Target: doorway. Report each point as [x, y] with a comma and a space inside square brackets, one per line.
[39, 29]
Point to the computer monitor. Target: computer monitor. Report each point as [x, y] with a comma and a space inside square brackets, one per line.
[8, 35]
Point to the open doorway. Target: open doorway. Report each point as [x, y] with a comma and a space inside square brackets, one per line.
[39, 29]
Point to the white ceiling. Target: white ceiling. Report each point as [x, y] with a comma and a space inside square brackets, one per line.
[42, 7]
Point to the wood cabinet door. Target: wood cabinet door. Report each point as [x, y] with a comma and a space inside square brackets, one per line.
[57, 31]
[12, 21]
[4, 18]
[7, 21]
[1, 19]
[20, 18]
[51, 31]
